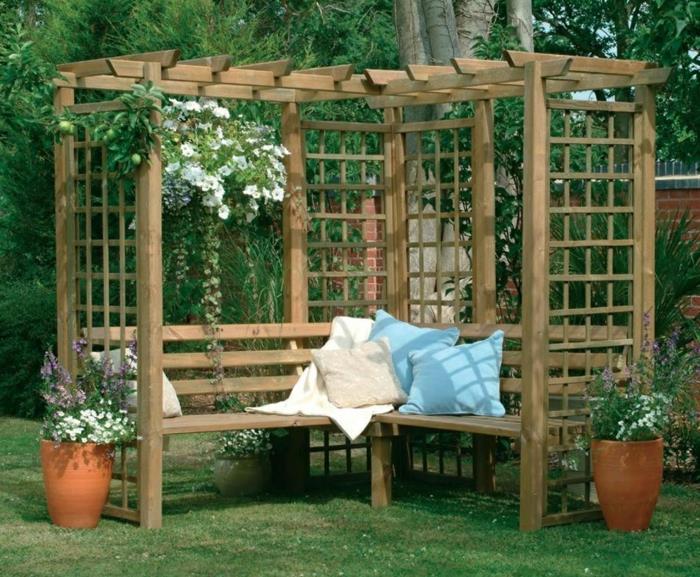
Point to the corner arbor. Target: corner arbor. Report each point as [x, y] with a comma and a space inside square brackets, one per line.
[588, 235]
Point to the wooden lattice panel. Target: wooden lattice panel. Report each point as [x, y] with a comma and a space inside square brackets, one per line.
[592, 275]
[347, 218]
[104, 244]
[102, 270]
[437, 206]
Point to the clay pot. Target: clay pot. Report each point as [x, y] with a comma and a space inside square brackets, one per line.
[628, 478]
[241, 476]
[76, 480]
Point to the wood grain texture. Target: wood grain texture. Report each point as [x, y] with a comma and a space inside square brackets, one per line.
[150, 329]
[535, 308]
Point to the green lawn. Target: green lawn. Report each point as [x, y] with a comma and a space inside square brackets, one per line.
[429, 530]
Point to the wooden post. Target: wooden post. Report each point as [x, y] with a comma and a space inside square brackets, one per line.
[296, 301]
[395, 208]
[381, 471]
[535, 310]
[484, 214]
[484, 265]
[644, 214]
[296, 309]
[149, 267]
[63, 163]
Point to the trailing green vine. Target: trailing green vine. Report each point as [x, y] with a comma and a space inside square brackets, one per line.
[128, 134]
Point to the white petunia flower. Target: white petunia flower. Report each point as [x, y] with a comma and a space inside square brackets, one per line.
[252, 191]
[224, 212]
[221, 112]
[187, 150]
[192, 106]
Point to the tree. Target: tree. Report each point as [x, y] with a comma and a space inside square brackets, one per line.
[664, 31]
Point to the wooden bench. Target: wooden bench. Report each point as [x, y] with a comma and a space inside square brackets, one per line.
[283, 350]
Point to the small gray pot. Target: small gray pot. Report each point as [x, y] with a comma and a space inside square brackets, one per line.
[240, 476]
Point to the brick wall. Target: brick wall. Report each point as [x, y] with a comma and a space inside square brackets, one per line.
[677, 192]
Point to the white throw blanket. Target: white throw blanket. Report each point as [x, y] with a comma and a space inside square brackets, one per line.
[309, 396]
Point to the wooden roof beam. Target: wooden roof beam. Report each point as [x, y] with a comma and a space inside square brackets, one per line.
[473, 65]
[579, 82]
[481, 93]
[337, 73]
[382, 77]
[277, 67]
[166, 58]
[482, 77]
[581, 63]
[425, 71]
[215, 63]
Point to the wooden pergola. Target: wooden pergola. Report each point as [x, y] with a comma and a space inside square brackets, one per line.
[110, 279]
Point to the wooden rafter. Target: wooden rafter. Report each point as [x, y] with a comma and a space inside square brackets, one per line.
[337, 73]
[580, 63]
[166, 59]
[277, 67]
[215, 63]
[465, 79]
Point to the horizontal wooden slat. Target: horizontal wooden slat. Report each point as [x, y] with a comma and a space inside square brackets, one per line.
[121, 513]
[231, 359]
[605, 106]
[572, 517]
[230, 332]
[344, 126]
[428, 125]
[237, 421]
[495, 426]
[235, 385]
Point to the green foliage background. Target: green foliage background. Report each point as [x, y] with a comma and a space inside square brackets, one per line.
[35, 35]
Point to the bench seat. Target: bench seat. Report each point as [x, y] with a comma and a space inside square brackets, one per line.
[505, 426]
[237, 421]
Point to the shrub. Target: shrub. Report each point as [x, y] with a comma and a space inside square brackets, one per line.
[27, 328]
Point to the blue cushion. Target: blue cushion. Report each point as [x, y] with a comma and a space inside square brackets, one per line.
[405, 338]
[458, 380]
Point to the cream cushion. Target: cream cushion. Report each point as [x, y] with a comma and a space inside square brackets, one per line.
[361, 376]
[171, 404]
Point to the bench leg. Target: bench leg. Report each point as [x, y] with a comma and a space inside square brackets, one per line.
[296, 461]
[401, 457]
[381, 471]
[484, 463]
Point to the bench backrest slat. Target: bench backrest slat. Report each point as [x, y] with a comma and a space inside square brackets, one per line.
[276, 369]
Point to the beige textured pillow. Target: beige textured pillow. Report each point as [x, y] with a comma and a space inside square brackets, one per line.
[360, 376]
[171, 404]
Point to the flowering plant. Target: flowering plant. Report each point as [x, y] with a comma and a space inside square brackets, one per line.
[91, 409]
[215, 167]
[244, 443]
[223, 163]
[636, 405]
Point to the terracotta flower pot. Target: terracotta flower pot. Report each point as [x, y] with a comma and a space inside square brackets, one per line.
[76, 480]
[628, 478]
[240, 476]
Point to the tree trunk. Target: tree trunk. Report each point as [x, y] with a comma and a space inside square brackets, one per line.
[520, 17]
[474, 19]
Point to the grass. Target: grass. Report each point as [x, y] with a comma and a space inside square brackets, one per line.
[430, 530]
